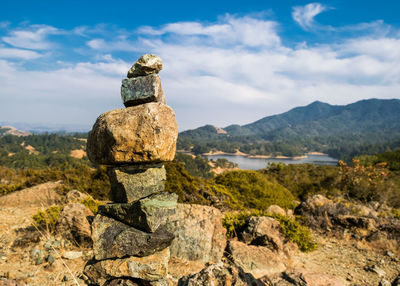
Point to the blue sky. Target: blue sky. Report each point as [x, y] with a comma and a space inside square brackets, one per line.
[225, 62]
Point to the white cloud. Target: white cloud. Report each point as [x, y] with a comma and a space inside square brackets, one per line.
[236, 70]
[18, 54]
[34, 37]
[304, 15]
[75, 95]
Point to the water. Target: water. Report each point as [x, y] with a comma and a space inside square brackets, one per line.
[260, 163]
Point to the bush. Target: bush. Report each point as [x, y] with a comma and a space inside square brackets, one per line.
[297, 233]
[292, 230]
[91, 204]
[47, 220]
[254, 190]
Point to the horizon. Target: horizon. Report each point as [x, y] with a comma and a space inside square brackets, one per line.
[55, 128]
[224, 63]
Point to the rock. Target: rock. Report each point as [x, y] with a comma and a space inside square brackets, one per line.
[114, 239]
[146, 64]
[121, 282]
[131, 183]
[220, 275]
[150, 268]
[199, 234]
[263, 231]
[377, 270]
[256, 260]
[355, 221]
[37, 256]
[161, 282]
[396, 281]
[10, 282]
[307, 278]
[276, 210]
[145, 133]
[75, 196]
[72, 255]
[384, 282]
[147, 214]
[50, 259]
[74, 224]
[139, 90]
[29, 236]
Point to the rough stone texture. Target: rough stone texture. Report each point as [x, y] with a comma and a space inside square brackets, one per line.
[74, 223]
[308, 278]
[146, 64]
[276, 210]
[150, 268]
[256, 260]
[220, 275]
[131, 183]
[199, 234]
[263, 231]
[72, 254]
[75, 196]
[147, 214]
[145, 133]
[139, 90]
[114, 239]
[121, 282]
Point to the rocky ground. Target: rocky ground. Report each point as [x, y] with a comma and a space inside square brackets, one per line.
[344, 257]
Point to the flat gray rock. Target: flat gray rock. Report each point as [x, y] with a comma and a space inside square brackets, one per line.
[139, 90]
[114, 239]
[146, 214]
[131, 183]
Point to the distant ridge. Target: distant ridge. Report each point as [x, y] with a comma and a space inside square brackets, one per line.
[318, 126]
[9, 130]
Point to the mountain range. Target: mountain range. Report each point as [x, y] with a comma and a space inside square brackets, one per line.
[366, 124]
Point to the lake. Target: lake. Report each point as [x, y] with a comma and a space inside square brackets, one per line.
[260, 163]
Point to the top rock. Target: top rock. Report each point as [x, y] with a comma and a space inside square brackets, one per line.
[147, 64]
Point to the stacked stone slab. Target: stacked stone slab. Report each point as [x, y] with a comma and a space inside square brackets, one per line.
[130, 237]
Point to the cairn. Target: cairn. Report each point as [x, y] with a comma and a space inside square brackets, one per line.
[130, 237]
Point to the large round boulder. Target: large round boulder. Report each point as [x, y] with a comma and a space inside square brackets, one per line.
[145, 133]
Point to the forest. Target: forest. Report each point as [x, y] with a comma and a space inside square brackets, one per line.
[366, 178]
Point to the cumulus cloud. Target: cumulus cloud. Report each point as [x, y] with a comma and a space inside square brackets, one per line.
[235, 70]
[18, 54]
[34, 37]
[304, 15]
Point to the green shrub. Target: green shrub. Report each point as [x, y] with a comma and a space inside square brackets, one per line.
[91, 204]
[396, 213]
[297, 233]
[254, 190]
[291, 228]
[47, 220]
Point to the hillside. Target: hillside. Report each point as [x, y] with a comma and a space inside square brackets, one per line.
[9, 130]
[363, 127]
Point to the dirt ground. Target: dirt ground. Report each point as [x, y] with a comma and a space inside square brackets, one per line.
[355, 262]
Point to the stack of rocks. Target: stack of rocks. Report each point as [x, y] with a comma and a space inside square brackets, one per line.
[130, 237]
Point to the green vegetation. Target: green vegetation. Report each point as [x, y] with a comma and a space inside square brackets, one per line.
[254, 190]
[47, 220]
[297, 233]
[39, 151]
[362, 128]
[82, 178]
[196, 166]
[292, 230]
[239, 193]
[91, 204]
